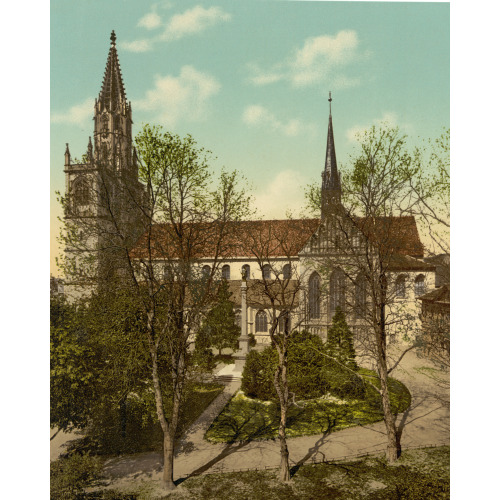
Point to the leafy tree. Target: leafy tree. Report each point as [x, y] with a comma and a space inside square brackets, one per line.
[144, 248]
[340, 342]
[72, 375]
[219, 327]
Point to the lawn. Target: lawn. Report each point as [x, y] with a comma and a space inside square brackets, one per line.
[417, 475]
[249, 419]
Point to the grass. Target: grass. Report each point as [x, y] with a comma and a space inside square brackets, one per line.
[249, 419]
[418, 475]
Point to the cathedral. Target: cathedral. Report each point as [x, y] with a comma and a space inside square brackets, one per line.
[323, 263]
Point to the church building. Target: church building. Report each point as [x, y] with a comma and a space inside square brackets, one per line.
[314, 267]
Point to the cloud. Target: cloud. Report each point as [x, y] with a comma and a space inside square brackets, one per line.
[79, 114]
[256, 115]
[282, 194]
[314, 62]
[388, 118]
[190, 22]
[137, 45]
[150, 21]
[184, 97]
[193, 21]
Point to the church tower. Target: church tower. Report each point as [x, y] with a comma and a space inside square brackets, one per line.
[330, 187]
[103, 193]
[113, 119]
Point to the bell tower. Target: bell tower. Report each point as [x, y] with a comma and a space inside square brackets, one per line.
[113, 118]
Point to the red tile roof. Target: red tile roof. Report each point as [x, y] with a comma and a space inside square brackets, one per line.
[268, 238]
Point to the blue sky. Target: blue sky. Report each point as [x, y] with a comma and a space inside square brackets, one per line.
[250, 80]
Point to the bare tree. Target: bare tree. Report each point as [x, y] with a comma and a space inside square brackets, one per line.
[148, 242]
[275, 247]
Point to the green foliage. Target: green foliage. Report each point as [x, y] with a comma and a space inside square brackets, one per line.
[307, 367]
[258, 373]
[340, 343]
[219, 328]
[310, 373]
[69, 476]
[132, 426]
[72, 377]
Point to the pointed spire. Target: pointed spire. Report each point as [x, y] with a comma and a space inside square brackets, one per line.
[90, 150]
[331, 189]
[67, 156]
[331, 159]
[112, 93]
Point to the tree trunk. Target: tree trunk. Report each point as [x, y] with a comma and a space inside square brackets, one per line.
[285, 465]
[393, 446]
[280, 375]
[168, 461]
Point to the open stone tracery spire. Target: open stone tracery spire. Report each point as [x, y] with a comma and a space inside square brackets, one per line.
[112, 92]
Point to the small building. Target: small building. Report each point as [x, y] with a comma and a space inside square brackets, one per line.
[435, 317]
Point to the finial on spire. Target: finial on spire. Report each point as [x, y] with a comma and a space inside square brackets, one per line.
[113, 37]
[330, 100]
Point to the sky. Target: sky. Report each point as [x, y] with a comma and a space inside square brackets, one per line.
[250, 81]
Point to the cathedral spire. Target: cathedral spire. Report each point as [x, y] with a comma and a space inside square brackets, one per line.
[112, 93]
[331, 159]
[330, 190]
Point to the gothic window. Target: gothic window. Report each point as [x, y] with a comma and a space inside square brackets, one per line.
[360, 296]
[206, 271]
[419, 285]
[401, 287]
[246, 270]
[261, 322]
[314, 297]
[226, 272]
[287, 272]
[337, 291]
[266, 272]
[81, 192]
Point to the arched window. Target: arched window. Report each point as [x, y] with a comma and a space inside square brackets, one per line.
[401, 287]
[261, 322]
[360, 296]
[81, 192]
[314, 302]
[206, 271]
[226, 272]
[245, 270]
[287, 272]
[337, 291]
[419, 285]
[266, 272]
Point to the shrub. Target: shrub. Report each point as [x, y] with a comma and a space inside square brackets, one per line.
[306, 376]
[69, 476]
[340, 344]
[258, 373]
